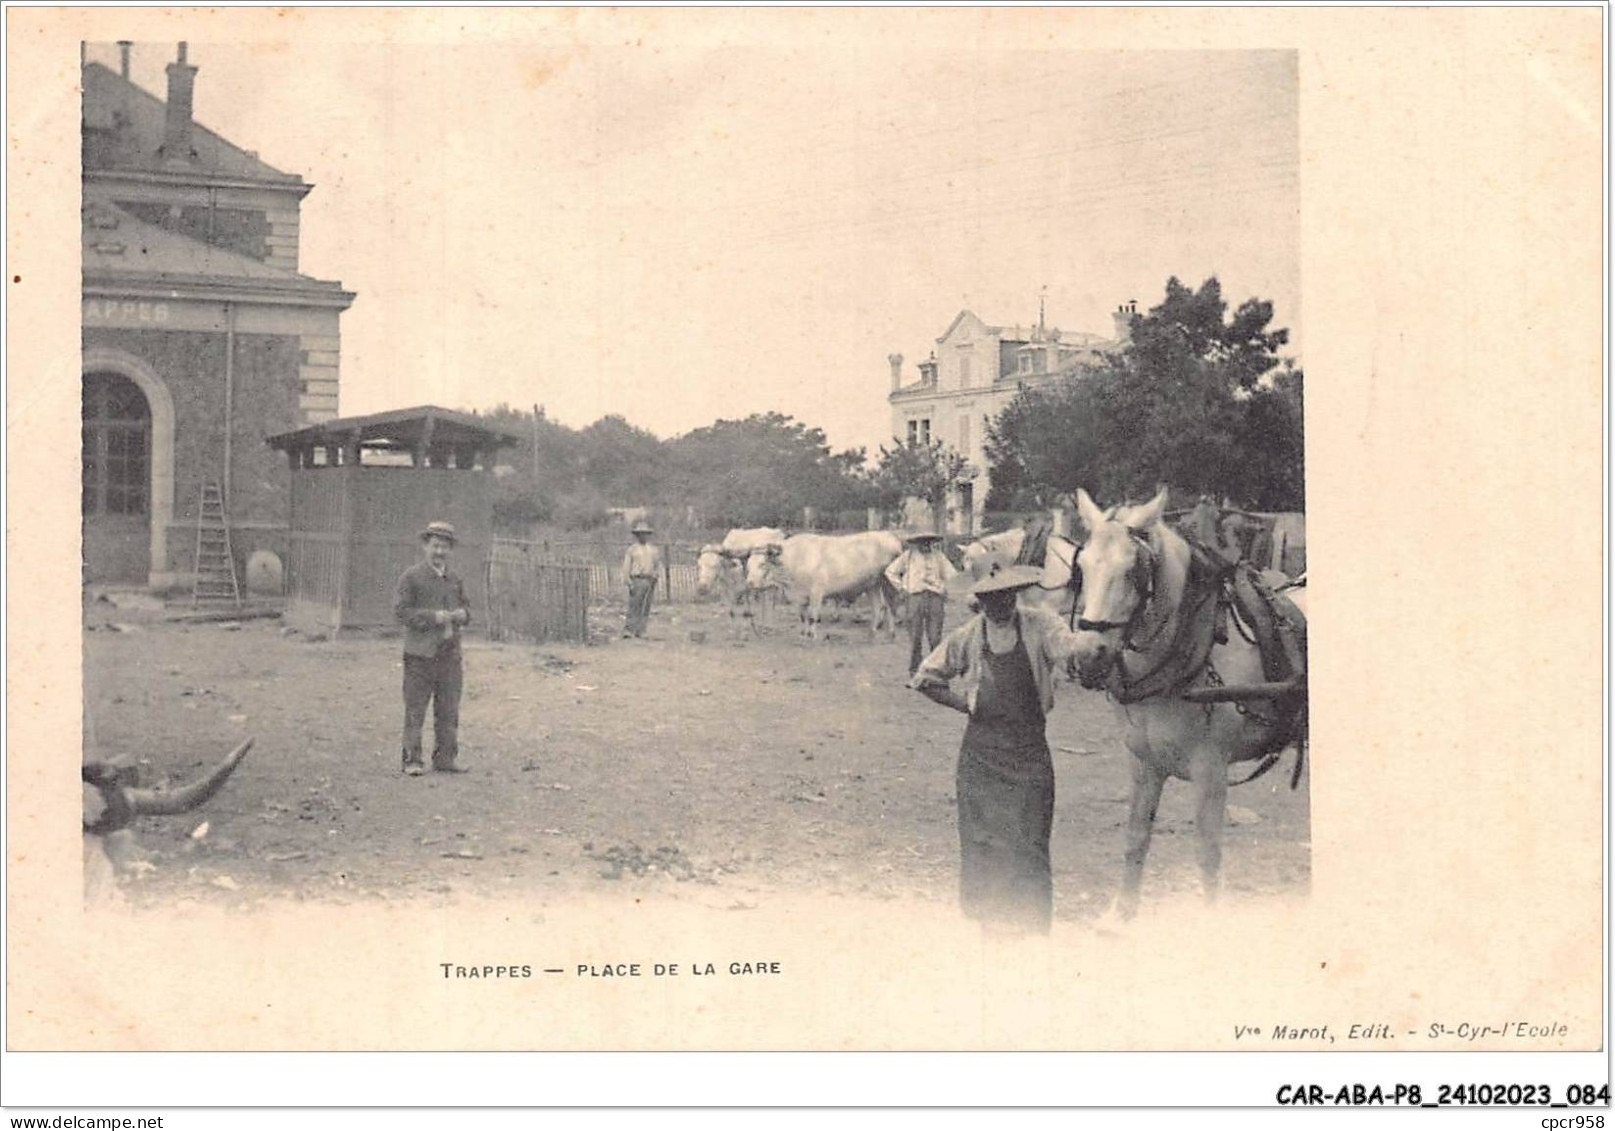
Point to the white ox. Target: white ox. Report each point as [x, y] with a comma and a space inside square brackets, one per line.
[740, 543]
[814, 567]
[721, 568]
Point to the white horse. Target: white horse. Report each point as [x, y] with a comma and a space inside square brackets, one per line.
[1055, 595]
[1157, 634]
[1001, 549]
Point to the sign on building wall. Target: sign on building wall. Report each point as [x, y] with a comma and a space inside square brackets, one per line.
[124, 312]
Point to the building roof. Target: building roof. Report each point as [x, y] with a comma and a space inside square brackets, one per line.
[1019, 334]
[113, 105]
[121, 248]
[403, 427]
[960, 317]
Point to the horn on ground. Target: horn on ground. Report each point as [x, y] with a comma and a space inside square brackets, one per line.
[150, 803]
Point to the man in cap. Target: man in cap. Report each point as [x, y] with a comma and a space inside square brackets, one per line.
[998, 668]
[921, 573]
[641, 565]
[432, 606]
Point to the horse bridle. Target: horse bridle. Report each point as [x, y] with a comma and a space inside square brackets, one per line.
[1142, 578]
[1073, 577]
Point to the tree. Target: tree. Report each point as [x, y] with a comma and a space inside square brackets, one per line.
[1197, 399]
[625, 464]
[543, 470]
[763, 470]
[1040, 444]
[1272, 434]
[916, 471]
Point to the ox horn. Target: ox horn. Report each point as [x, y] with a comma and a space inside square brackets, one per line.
[150, 803]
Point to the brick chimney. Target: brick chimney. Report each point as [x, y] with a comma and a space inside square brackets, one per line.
[177, 131]
[896, 362]
[123, 57]
[1123, 318]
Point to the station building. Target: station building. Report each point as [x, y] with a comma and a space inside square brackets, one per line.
[200, 335]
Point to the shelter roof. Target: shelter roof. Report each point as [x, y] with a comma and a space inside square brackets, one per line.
[399, 428]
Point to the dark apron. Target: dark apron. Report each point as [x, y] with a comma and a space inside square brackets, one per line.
[1006, 799]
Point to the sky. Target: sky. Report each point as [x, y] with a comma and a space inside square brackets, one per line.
[678, 234]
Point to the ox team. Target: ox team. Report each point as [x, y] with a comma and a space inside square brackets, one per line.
[997, 668]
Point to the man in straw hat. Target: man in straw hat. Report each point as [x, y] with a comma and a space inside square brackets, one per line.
[641, 565]
[432, 606]
[921, 573]
[998, 668]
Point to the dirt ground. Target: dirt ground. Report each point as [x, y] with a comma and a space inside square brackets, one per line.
[710, 770]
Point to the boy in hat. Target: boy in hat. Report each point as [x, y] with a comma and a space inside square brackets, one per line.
[432, 606]
[1003, 660]
[640, 565]
[921, 573]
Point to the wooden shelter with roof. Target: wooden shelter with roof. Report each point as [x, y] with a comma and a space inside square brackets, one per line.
[363, 487]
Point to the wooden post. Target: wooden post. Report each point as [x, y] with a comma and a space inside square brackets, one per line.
[348, 481]
[229, 394]
[535, 443]
[425, 447]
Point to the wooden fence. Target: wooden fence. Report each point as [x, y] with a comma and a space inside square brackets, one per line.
[676, 584]
[535, 600]
[602, 559]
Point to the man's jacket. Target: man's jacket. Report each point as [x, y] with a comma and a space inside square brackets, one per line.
[421, 595]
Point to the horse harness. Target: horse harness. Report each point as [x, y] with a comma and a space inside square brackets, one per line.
[1216, 592]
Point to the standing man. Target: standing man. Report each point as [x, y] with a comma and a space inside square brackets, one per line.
[641, 565]
[921, 573]
[998, 668]
[431, 604]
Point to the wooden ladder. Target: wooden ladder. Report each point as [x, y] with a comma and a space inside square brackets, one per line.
[215, 565]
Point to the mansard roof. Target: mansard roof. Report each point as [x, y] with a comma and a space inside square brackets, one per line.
[132, 122]
[119, 248]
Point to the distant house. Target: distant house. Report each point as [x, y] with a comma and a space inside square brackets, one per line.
[974, 372]
[200, 336]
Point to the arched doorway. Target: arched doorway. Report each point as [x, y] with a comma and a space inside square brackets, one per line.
[117, 479]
